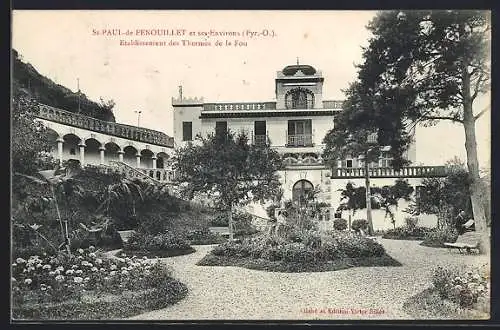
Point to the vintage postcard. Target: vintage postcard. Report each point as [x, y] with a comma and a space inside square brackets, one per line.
[250, 165]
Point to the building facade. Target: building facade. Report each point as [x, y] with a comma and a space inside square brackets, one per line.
[294, 124]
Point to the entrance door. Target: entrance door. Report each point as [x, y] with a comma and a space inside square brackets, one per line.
[301, 191]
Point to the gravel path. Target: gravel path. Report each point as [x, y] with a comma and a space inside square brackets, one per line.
[234, 293]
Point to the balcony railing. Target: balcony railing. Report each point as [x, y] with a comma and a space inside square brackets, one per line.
[332, 104]
[301, 140]
[121, 130]
[388, 172]
[239, 106]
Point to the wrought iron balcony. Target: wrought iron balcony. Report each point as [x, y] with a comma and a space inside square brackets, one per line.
[300, 140]
[388, 172]
[121, 130]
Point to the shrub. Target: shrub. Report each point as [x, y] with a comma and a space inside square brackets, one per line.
[463, 287]
[204, 237]
[311, 239]
[437, 237]
[340, 224]
[220, 220]
[359, 224]
[355, 246]
[406, 232]
[141, 241]
[411, 222]
[297, 253]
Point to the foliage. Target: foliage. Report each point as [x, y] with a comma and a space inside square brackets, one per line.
[62, 279]
[229, 169]
[359, 224]
[204, 237]
[463, 287]
[156, 243]
[407, 232]
[438, 236]
[62, 180]
[242, 222]
[29, 83]
[340, 224]
[411, 222]
[311, 253]
[270, 211]
[30, 141]
[446, 196]
[236, 171]
[424, 66]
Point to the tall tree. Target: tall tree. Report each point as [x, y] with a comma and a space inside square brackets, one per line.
[30, 143]
[353, 136]
[230, 170]
[423, 67]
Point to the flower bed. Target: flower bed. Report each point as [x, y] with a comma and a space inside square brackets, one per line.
[89, 286]
[162, 245]
[455, 293]
[308, 253]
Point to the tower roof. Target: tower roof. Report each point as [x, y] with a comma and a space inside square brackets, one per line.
[291, 70]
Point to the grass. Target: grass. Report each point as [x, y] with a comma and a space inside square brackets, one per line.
[95, 306]
[429, 305]
[293, 267]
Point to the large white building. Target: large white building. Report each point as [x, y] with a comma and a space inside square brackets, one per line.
[295, 124]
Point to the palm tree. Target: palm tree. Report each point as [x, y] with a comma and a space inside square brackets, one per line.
[59, 177]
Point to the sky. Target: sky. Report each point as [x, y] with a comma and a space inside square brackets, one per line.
[67, 45]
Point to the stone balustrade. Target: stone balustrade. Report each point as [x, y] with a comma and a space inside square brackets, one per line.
[388, 172]
[332, 104]
[120, 130]
[160, 174]
[239, 106]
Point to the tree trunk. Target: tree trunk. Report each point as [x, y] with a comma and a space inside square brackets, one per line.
[476, 188]
[368, 198]
[231, 232]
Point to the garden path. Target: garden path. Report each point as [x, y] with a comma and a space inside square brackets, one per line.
[231, 293]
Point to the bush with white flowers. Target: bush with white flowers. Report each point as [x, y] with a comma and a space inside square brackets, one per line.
[464, 287]
[58, 278]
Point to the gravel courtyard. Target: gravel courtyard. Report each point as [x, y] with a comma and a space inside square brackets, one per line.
[232, 293]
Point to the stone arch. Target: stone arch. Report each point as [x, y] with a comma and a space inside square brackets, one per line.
[92, 151]
[111, 151]
[162, 159]
[300, 191]
[53, 136]
[71, 149]
[130, 155]
[147, 158]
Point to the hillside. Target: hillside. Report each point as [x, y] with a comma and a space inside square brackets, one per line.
[27, 81]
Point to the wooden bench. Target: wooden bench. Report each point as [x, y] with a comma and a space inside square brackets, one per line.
[466, 242]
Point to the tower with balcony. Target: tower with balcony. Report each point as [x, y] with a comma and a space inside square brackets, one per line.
[294, 124]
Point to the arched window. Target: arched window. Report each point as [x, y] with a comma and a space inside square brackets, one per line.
[301, 191]
[299, 98]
